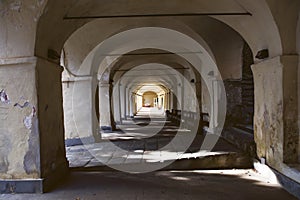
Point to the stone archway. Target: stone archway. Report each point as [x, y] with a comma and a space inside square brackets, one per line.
[40, 35]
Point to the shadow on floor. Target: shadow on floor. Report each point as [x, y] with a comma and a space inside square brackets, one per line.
[228, 184]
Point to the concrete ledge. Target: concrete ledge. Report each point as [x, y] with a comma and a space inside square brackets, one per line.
[21, 186]
[288, 184]
[276, 177]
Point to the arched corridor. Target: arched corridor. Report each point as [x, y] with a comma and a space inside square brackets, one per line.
[148, 87]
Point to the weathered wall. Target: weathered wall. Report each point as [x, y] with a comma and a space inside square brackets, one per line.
[290, 108]
[240, 93]
[31, 124]
[234, 112]
[276, 129]
[19, 131]
[268, 121]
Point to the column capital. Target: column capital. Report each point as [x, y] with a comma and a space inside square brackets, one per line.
[104, 84]
[15, 61]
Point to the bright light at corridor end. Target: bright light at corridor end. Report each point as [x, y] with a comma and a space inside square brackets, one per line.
[174, 42]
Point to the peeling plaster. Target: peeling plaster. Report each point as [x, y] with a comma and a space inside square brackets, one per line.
[28, 120]
[4, 97]
[5, 148]
[31, 160]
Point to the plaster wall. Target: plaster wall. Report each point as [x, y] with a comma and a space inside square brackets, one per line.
[18, 22]
[268, 114]
[19, 131]
[276, 129]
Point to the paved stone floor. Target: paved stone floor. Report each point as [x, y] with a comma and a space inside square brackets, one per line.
[143, 140]
[181, 185]
[88, 183]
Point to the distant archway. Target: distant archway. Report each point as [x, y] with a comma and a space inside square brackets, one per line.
[150, 99]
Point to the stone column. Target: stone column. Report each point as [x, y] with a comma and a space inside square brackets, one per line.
[122, 101]
[83, 108]
[213, 105]
[180, 97]
[275, 124]
[174, 101]
[104, 107]
[32, 133]
[198, 87]
[19, 116]
[127, 102]
[131, 105]
[116, 104]
[169, 101]
[51, 126]
[79, 104]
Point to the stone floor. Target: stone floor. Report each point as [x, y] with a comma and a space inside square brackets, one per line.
[142, 141]
[136, 145]
[181, 185]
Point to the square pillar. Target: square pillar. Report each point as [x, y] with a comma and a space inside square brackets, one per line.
[116, 104]
[276, 110]
[19, 130]
[32, 151]
[123, 102]
[105, 107]
[80, 110]
[54, 165]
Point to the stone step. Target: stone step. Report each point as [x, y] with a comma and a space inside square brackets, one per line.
[228, 160]
[223, 156]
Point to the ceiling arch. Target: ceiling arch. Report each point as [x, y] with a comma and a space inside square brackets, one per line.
[61, 19]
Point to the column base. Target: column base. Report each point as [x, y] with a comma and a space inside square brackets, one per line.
[79, 141]
[21, 186]
[106, 129]
[30, 186]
